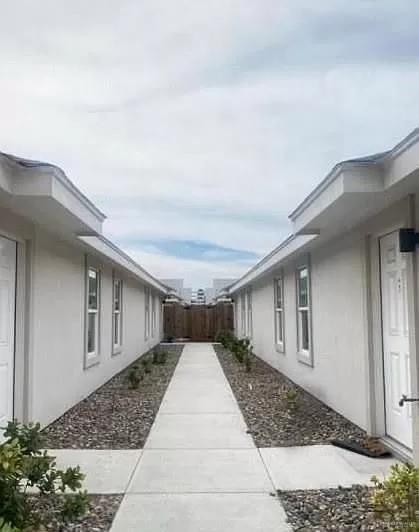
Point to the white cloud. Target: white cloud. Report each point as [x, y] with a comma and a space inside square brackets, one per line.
[204, 120]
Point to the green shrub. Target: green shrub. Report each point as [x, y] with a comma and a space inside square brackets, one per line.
[248, 362]
[396, 498]
[241, 348]
[6, 527]
[134, 377]
[160, 357]
[292, 397]
[147, 363]
[225, 338]
[23, 465]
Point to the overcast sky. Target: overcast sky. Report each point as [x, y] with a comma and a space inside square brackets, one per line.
[197, 126]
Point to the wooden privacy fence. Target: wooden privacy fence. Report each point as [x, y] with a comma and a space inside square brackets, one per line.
[198, 323]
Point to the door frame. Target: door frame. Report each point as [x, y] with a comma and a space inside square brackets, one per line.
[376, 424]
[22, 367]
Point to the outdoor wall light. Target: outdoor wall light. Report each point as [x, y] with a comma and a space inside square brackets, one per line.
[408, 239]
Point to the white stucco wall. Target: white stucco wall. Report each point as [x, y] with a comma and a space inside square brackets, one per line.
[59, 379]
[338, 374]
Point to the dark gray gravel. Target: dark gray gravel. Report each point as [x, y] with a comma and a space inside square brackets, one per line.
[102, 510]
[341, 509]
[273, 420]
[114, 416]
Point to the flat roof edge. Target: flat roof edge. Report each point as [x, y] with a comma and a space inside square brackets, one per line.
[143, 274]
[367, 161]
[59, 174]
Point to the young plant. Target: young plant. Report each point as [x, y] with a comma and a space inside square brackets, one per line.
[134, 378]
[396, 498]
[248, 362]
[5, 527]
[22, 466]
[160, 357]
[147, 364]
[291, 398]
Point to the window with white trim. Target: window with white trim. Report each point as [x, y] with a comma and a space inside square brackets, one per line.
[279, 314]
[249, 316]
[147, 294]
[116, 314]
[243, 314]
[236, 315]
[153, 315]
[304, 314]
[92, 316]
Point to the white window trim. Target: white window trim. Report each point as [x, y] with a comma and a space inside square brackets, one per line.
[279, 344]
[92, 358]
[147, 316]
[117, 348]
[243, 314]
[305, 356]
[249, 313]
[237, 315]
[153, 315]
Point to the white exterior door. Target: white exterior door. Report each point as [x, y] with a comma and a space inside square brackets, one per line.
[7, 329]
[395, 339]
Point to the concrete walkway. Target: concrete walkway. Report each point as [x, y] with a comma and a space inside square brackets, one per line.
[200, 470]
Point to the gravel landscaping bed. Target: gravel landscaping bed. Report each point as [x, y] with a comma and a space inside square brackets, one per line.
[98, 519]
[278, 412]
[341, 509]
[115, 416]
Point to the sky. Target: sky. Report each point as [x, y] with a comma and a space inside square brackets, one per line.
[198, 126]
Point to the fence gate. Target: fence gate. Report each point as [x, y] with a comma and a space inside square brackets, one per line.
[197, 323]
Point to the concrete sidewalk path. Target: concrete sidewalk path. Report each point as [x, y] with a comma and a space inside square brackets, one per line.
[200, 470]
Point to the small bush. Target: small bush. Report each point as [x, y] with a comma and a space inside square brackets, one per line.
[248, 362]
[225, 338]
[135, 376]
[147, 363]
[292, 397]
[23, 465]
[160, 357]
[396, 498]
[5, 527]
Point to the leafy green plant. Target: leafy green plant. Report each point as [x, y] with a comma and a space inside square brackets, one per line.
[396, 498]
[292, 398]
[248, 362]
[241, 349]
[134, 377]
[24, 465]
[6, 527]
[147, 363]
[160, 357]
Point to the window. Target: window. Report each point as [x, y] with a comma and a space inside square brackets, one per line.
[236, 316]
[279, 314]
[249, 319]
[147, 312]
[117, 315]
[153, 315]
[304, 315]
[92, 316]
[243, 314]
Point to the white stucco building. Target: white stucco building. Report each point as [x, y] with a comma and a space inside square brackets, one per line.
[74, 309]
[218, 285]
[335, 306]
[182, 292]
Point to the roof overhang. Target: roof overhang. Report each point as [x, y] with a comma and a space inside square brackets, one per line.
[43, 194]
[351, 193]
[285, 251]
[105, 248]
[357, 189]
